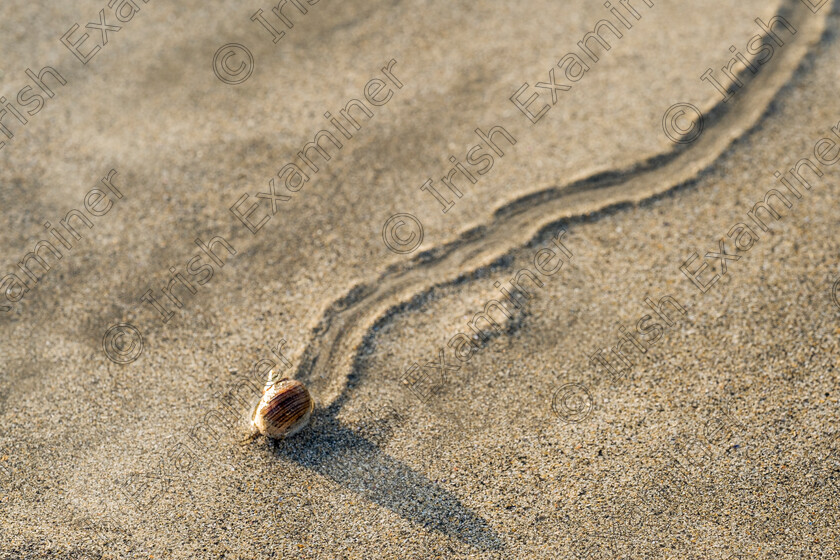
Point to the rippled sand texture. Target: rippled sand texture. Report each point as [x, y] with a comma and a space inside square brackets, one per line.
[719, 443]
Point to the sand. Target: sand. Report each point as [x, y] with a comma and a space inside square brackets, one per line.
[431, 439]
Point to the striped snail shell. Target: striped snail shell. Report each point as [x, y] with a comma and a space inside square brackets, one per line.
[283, 410]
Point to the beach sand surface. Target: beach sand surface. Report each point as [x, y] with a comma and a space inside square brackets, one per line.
[719, 442]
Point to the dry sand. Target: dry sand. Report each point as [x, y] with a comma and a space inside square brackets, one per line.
[720, 442]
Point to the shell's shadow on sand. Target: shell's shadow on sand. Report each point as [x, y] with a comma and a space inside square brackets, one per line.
[342, 455]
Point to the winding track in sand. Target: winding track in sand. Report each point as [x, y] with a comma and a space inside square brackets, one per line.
[329, 358]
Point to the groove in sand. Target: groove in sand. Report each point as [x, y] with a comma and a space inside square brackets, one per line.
[327, 361]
